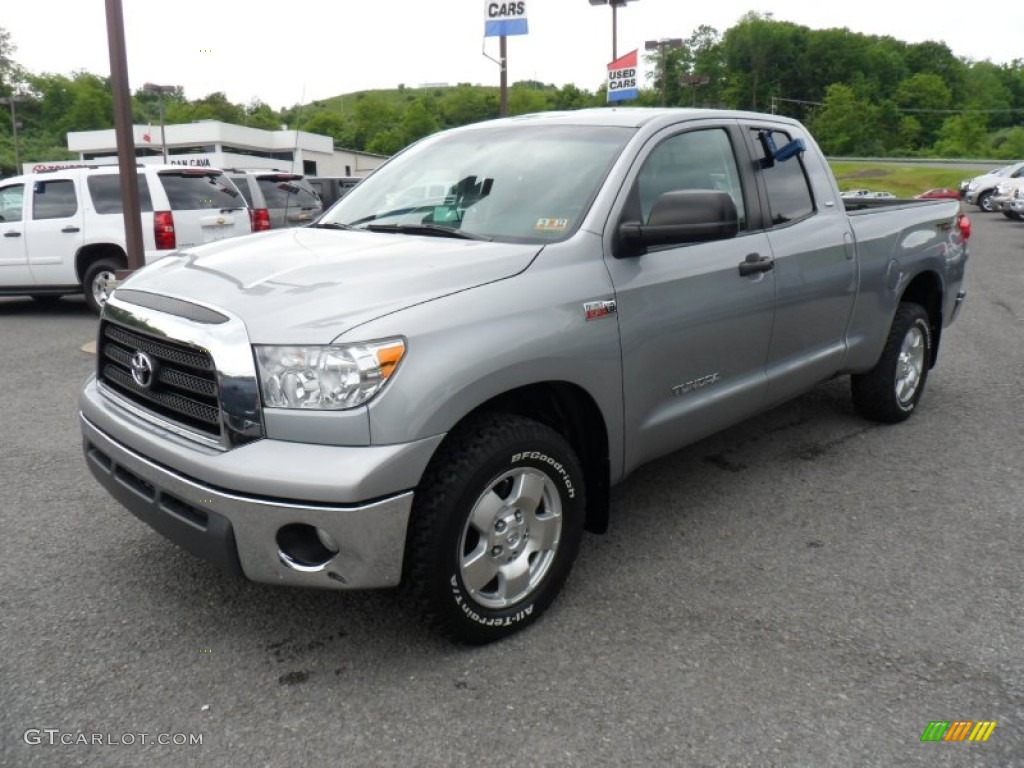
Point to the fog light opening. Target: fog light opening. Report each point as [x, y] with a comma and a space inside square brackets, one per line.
[305, 547]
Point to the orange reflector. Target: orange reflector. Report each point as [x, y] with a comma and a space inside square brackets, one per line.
[388, 358]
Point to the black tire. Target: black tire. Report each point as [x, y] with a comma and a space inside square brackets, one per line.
[1012, 215]
[985, 201]
[891, 390]
[485, 463]
[99, 272]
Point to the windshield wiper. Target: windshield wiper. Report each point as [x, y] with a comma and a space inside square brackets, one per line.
[434, 230]
[330, 225]
[394, 212]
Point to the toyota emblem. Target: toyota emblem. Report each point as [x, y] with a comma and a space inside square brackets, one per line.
[142, 369]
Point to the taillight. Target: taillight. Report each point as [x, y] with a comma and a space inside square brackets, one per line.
[260, 218]
[163, 229]
[964, 225]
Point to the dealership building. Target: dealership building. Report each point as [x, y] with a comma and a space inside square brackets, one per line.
[213, 144]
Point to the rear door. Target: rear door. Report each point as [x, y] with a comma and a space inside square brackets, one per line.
[205, 204]
[53, 231]
[694, 331]
[815, 266]
[14, 271]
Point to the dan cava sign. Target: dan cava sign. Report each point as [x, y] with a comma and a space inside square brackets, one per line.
[622, 78]
[502, 19]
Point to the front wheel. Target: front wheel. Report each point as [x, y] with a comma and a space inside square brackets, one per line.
[985, 202]
[496, 524]
[890, 391]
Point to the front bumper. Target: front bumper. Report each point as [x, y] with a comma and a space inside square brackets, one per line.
[229, 507]
[241, 534]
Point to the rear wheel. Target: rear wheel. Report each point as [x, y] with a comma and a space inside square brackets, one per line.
[99, 280]
[890, 391]
[496, 524]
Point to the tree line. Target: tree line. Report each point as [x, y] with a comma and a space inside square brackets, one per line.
[859, 94]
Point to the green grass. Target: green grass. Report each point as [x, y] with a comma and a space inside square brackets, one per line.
[902, 180]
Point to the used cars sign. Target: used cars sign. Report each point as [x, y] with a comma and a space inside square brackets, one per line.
[622, 79]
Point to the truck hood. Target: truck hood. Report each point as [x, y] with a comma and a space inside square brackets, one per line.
[308, 286]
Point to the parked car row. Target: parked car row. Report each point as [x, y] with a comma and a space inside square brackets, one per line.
[62, 231]
[853, 193]
[981, 190]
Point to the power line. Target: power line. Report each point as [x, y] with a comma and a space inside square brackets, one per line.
[1010, 110]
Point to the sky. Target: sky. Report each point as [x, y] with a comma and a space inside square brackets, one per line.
[287, 53]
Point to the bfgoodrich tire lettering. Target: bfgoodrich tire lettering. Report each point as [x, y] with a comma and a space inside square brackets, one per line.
[891, 390]
[497, 522]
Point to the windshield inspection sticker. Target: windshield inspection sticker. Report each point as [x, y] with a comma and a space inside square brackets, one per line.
[551, 225]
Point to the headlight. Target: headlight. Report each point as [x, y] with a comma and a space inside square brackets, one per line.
[326, 378]
[973, 185]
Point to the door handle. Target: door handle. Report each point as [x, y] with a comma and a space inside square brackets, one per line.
[12, 234]
[69, 228]
[755, 263]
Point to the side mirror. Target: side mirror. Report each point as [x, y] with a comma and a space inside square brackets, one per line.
[683, 216]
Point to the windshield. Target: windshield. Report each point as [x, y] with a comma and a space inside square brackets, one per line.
[510, 182]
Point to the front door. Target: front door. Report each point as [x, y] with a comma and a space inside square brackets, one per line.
[694, 331]
[53, 225]
[14, 271]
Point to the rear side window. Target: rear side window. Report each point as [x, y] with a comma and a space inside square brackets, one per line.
[789, 193]
[105, 191]
[54, 199]
[288, 193]
[189, 191]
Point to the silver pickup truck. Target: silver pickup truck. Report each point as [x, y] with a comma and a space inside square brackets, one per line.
[437, 383]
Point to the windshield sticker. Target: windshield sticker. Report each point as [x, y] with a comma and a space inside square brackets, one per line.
[551, 225]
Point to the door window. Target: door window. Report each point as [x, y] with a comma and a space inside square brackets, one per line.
[789, 193]
[11, 199]
[694, 160]
[54, 200]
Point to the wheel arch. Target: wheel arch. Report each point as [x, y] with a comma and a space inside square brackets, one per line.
[571, 411]
[925, 289]
[92, 252]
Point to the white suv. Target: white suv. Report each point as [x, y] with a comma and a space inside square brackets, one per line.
[981, 189]
[62, 231]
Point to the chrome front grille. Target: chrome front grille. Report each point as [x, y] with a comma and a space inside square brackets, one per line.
[182, 387]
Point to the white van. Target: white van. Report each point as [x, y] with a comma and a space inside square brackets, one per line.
[62, 231]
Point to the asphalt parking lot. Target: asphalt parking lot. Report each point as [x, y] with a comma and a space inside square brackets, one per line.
[803, 589]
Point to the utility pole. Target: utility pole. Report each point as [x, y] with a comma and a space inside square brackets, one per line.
[693, 81]
[123, 129]
[663, 46]
[615, 4]
[12, 100]
[503, 82]
[160, 90]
